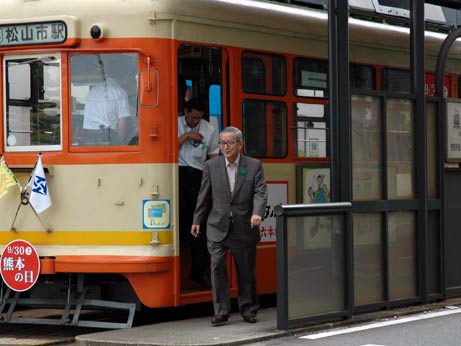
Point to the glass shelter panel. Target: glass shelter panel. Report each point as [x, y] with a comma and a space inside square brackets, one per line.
[104, 91]
[316, 265]
[32, 102]
[402, 255]
[366, 148]
[434, 251]
[368, 258]
[400, 149]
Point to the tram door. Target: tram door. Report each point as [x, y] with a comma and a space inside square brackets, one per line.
[199, 78]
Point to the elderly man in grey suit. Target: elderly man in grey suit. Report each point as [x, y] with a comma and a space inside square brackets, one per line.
[233, 196]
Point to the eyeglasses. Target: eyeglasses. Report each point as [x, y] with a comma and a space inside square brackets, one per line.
[228, 144]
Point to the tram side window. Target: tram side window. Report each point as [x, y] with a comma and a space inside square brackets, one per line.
[396, 81]
[263, 73]
[33, 102]
[311, 130]
[310, 78]
[362, 77]
[265, 128]
[104, 102]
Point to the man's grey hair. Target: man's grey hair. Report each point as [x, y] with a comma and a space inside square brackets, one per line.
[236, 131]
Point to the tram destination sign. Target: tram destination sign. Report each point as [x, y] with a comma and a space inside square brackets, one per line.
[29, 34]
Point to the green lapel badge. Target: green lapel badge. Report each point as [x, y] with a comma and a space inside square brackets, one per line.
[242, 171]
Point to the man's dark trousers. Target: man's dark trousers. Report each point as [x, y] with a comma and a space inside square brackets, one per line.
[189, 185]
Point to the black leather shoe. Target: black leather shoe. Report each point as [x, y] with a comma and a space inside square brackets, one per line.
[216, 320]
[249, 318]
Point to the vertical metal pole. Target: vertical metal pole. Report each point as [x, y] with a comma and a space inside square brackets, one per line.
[334, 105]
[344, 102]
[340, 117]
[345, 140]
[340, 114]
[282, 269]
[439, 74]
[420, 152]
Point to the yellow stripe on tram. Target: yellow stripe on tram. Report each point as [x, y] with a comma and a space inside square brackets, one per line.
[106, 238]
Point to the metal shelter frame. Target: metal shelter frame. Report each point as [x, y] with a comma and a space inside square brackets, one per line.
[341, 143]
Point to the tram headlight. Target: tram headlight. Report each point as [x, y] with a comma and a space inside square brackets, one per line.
[96, 31]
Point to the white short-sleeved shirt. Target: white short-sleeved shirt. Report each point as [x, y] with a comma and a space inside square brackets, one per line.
[105, 104]
[195, 155]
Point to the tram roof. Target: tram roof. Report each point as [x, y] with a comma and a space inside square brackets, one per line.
[124, 18]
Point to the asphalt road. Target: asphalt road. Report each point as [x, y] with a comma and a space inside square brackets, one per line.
[425, 329]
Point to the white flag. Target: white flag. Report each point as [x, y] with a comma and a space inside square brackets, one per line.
[39, 195]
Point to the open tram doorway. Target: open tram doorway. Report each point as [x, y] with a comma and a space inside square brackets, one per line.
[199, 79]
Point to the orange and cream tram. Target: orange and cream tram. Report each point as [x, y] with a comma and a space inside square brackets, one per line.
[112, 227]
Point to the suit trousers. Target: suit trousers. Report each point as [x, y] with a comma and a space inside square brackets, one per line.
[245, 265]
[189, 185]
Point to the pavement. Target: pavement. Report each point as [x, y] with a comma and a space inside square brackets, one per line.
[199, 331]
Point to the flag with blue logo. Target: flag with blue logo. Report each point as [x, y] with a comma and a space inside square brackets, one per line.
[39, 195]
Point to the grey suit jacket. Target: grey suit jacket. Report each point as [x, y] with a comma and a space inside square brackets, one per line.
[215, 200]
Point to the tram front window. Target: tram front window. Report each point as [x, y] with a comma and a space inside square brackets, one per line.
[104, 95]
[33, 102]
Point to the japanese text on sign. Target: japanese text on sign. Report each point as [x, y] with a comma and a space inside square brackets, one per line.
[32, 33]
[20, 265]
[277, 192]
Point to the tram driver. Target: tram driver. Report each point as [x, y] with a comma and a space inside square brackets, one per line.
[106, 114]
[197, 142]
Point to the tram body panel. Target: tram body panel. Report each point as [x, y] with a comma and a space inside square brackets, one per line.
[97, 227]
[96, 197]
[96, 220]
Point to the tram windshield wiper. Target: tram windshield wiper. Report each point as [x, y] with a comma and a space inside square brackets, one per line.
[45, 59]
